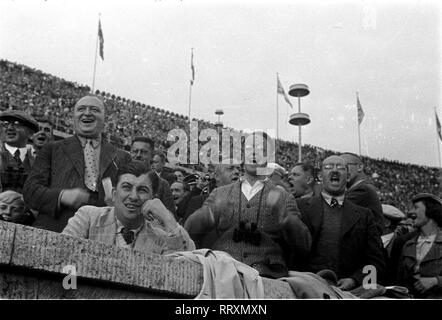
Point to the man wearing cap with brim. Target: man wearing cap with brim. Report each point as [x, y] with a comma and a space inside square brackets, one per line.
[68, 174]
[16, 158]
[420, 264]
[392, 217]
[277, 174]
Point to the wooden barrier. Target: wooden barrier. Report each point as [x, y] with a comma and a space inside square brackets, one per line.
[34, 262]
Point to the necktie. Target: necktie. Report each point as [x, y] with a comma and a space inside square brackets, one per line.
[17, 157]
[334, 203]
[90, 170]
[128, 235]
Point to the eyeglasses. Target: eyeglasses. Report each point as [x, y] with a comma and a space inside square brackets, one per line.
[339, 167]
[13, 123]
[352, 164]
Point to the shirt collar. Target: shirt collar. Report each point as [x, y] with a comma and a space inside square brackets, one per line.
[95, 141]
[328, 198]
[256, 184]
[308, 195]
[120, 226]
[429, 238]
[12, 150]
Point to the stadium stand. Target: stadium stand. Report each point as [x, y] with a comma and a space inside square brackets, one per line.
[43, 95]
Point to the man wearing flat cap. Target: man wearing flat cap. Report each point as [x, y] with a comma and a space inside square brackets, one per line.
[68, 174]
[16, 158]
[420, 264]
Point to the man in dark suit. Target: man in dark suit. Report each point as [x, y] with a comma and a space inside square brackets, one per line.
[142, 149]
[68, 174]
[360, 191]
[16, 157]
[159, 160]
[344, 236]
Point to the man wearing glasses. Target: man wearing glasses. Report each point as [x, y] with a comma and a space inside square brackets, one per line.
[360, 191]
[344, 236]
[16, 158]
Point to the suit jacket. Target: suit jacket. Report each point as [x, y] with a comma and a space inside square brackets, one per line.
[99, 224]
[364, 194]
[431, 266]
[361, 243]
[165, 195]
[60, 165]
[189, 205]
[269, 256]
[395, 255]
[12, 174]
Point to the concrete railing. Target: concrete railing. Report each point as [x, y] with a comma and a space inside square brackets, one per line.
[34, 263]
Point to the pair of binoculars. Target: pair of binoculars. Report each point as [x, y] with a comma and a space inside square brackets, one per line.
[247, 232]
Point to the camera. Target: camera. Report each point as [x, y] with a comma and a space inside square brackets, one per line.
[247, 232]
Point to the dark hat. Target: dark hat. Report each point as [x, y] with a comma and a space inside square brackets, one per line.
[18, 115]
[421, 196]
[191, 179]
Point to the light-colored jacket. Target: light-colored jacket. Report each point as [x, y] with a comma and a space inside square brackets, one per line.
[99, 224]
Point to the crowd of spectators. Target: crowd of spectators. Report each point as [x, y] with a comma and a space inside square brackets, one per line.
[45, 96]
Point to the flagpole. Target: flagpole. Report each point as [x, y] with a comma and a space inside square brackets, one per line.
[95, 61]
[438, 140]
[277, 109]
[190, 100]
[190, 87]
[359, 125]
[438, 150]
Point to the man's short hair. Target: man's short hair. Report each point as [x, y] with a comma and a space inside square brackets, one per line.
[186, 186]
[354, 155]
[147, 140]
[308, 167]
[137, 168]
[161, 155]
[10, 196]
[89, 99]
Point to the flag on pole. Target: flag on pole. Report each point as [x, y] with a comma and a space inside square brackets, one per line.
[360, 111]
[438, 127]
[101, 39]
[280, 90]
[192, 68]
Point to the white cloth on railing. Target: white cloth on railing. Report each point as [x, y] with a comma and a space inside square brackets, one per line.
[224, 277]
[307, 285]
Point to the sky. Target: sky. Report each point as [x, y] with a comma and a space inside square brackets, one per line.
[387, 51]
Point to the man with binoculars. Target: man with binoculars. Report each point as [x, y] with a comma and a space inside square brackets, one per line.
[254, 221]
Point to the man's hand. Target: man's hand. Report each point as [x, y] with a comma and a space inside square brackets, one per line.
[281, 212]
[346, 284]
[74, 198]
[402, 230]
[154, 208]
[424, 284]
